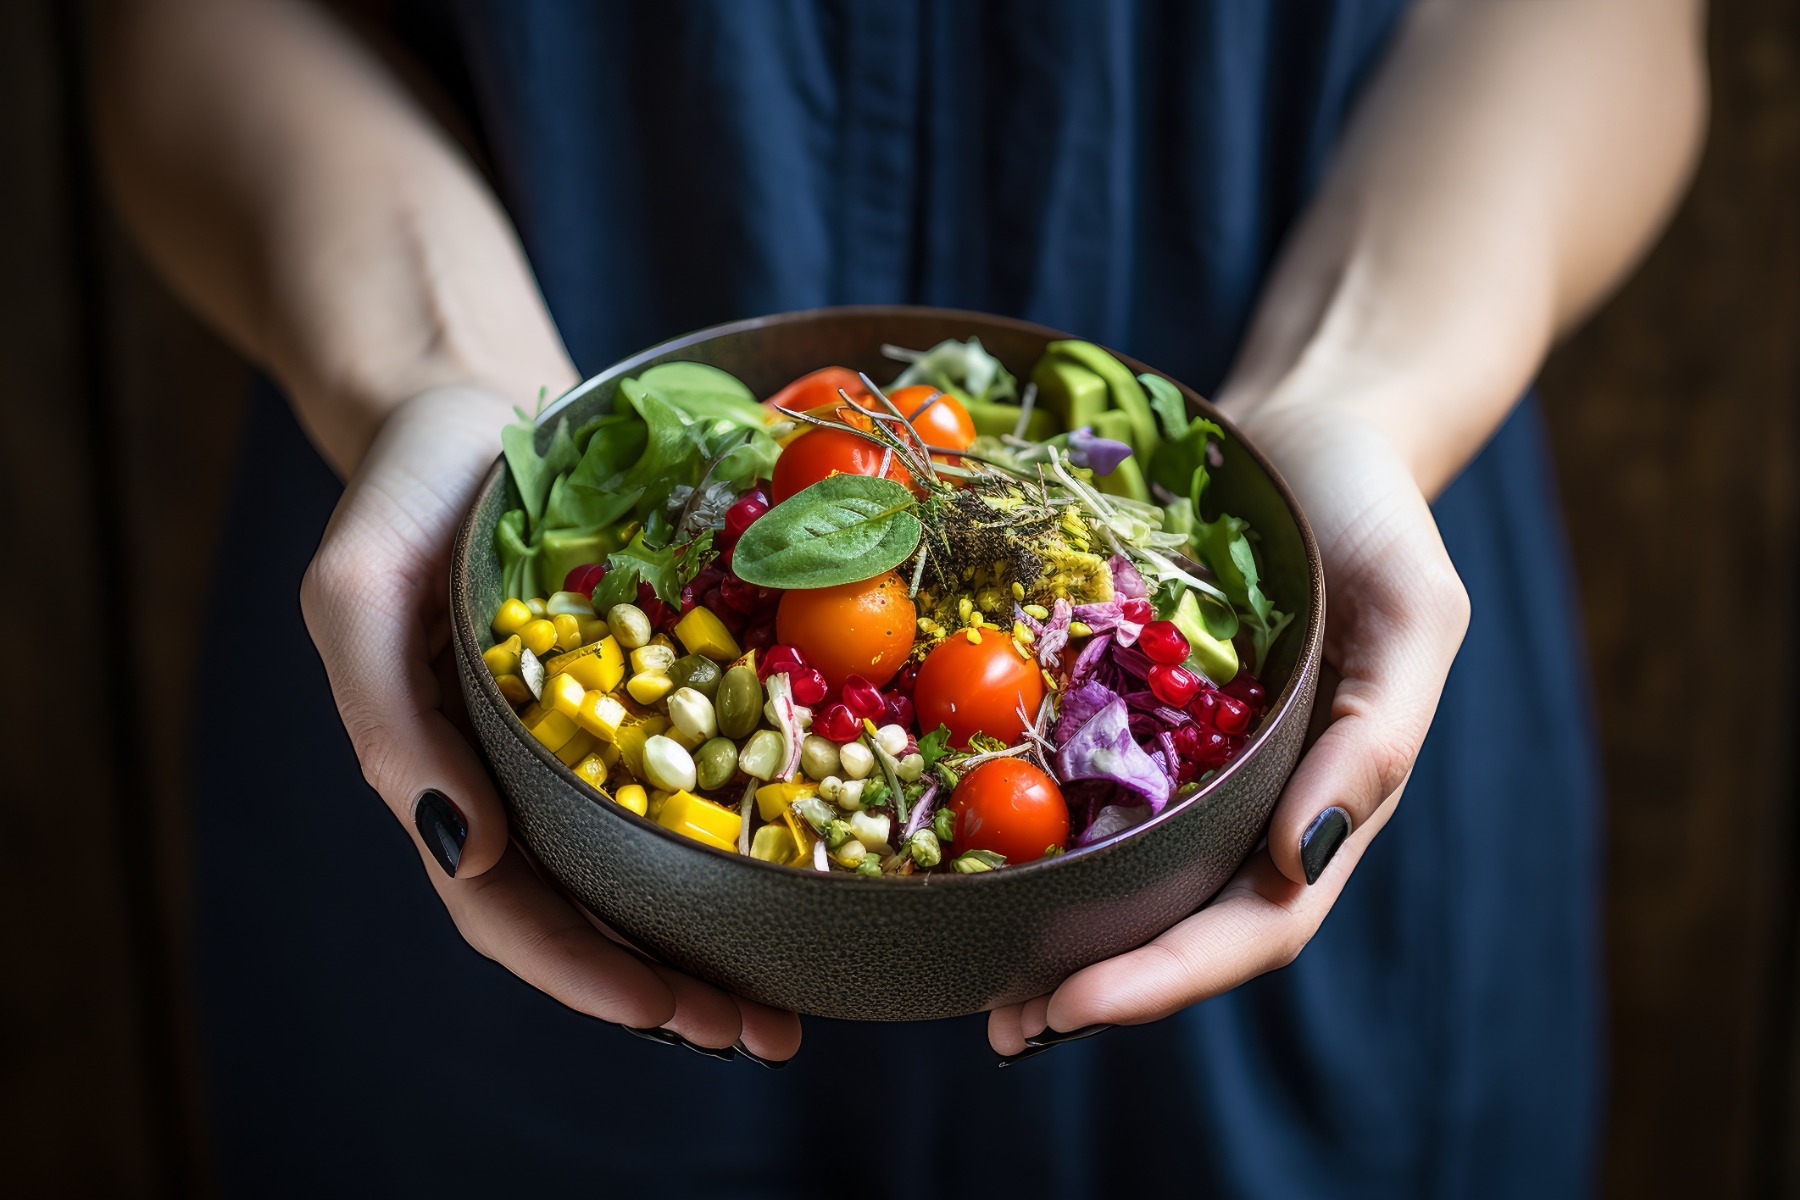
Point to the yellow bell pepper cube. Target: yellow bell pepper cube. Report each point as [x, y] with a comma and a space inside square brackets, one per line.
[548, 726]
[514, 689]
[592, 770]
[634, 797]
[503, 659]
[631, 738]
[647, 687]
[609, 754]
[772, 799]
[598, 668]
[773, 843]
[601, 715]
[704, 634]
[700, 819]
[803, 838]
[577, 748]
[654, 800]
[564, 694]
[512, 617]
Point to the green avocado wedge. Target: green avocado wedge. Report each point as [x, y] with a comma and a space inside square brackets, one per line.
[995, 419]
[1126, 479]
[1123, 390]
[1209, 626]
[1068, 390]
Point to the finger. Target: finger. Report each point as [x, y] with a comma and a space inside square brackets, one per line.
[703, 1015]
[369, 599]
[509, 915]
[1258, 923]
[770, 1033]
[1005, 1033]
[1034, 1016]
[1392, 638]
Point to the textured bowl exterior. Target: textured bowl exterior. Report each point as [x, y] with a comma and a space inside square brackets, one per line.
[837, 945]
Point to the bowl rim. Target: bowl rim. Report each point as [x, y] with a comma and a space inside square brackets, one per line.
[467, 636]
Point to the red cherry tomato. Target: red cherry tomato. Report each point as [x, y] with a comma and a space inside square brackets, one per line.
[977, 687]
[945, 423]
[853, 629]
[819, 453]
[817, 390]
[1010, 807]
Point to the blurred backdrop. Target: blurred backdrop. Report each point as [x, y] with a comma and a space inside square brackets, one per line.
[1676, 416]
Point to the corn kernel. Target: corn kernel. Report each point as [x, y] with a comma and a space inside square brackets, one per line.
[597, 667]
[1037, 612]
[647, 687]
[592, 771]
[700, 819]
[564, 694]
[539, 606]
[634, 797]
[568, 631]
[511, 618]
[601, 715]
[503, 659]
[1080, 629]
[514, 689]
[1018, 590]
[539, 636]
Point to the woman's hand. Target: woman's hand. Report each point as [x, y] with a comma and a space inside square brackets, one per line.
[1394, 620]
[376, 603]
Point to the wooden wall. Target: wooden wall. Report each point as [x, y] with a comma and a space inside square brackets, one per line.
[1677, 422]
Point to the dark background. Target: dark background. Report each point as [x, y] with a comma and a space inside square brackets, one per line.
[1676, 415]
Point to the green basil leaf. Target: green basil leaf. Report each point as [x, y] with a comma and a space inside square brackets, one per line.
[842, 529]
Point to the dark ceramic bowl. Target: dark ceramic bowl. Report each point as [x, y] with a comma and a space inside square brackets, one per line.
[897, 948]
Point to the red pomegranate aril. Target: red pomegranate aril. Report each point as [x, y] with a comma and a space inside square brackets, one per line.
[908, 676]
[1233, 715]
[1138, 611]
[899, 711]
[740, 596]
[1244, 686]
[759, 637]
[1164, 643]
[837, 723]
[780, 658]
[809, 685]
[1173, 685]
[660, 614]
[863, 698]
[584, 579]
[1204, 706]
[743, 514]
[1214, 749]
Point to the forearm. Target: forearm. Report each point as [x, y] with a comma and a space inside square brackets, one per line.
[1509, 164]
[293, 191]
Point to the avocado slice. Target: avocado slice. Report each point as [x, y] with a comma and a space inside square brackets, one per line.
[1209, 625]
[1127, 479]
[1069, 390]
[1123, 389]
[996, 419]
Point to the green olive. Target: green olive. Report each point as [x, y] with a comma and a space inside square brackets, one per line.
[716, 762]
[739, 702]
[701, 674]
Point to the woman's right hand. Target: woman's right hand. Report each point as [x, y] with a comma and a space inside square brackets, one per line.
[376, 601]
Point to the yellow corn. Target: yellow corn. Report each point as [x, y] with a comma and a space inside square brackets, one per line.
[514, 689]
[704, 634]
[633, 796]
[577, 748]
[511, 618]
[1037, 610]
[1018, 590]
[548, 726]
[568, 631]
[539, 606]
[592, 771]
[1080, 629]
[601, 715]
[647, 687]
[774, 798]
[598, 667]
[503, 659]
[564, 694]
[539, 636]
[700, 819]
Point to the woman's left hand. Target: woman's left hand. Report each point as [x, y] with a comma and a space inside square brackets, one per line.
[1395, 619]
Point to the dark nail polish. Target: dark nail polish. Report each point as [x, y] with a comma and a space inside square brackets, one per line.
[1051, 1037]
[669, 1037]
[442, 827]
[1321, 840]
[774, 1064]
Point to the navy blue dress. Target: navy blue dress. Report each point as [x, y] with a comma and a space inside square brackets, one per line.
[1123, 171]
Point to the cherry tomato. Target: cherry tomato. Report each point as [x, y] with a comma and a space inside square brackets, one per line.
[1010, 807]
[853, 629]
[817, 390]
[946, 423]
[977, 687]
[819, 453]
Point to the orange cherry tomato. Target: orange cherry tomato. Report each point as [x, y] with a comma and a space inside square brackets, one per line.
[946, 423]
[819, 453]
[853, 629]
[817, 390]
[977, 687]
[1010, 807]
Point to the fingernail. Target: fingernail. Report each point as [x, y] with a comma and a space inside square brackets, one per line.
[1050, 1039]
[774, 1064]
[669, 1037]
[1321, 840]
[442, 827]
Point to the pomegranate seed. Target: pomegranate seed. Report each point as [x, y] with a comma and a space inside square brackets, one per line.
[1138, 611]
[837, 723]
[1203, 706]
[1173, 685]
[809, 685]
[1215, 749]
[908, 676]
[759, 637]
[1164, 643]
[740, 596]
[584, 579]
[743, 514]
[726, 550]
[1244, 686]
[660, 614]
[781, 658]
[862, 697]
[899, 711]
[1233, 715]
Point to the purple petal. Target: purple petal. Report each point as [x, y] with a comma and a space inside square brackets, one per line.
[1100, 455]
